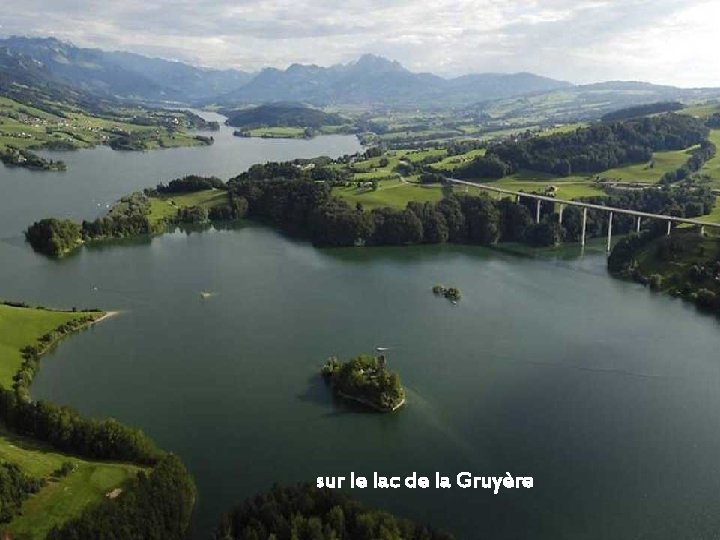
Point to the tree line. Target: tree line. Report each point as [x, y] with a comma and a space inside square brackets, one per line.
[642, 110]
[304, 512]
[588, 150]
[678, 264]
[156, 505]
[309, 210]
[698, 156]
[15, 487]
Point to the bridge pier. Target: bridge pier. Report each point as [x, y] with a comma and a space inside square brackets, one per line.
[609, 232]
[517, 198]
[637, 227]
[562, 207]
[584, 225]
[702, 230]
[537, 212]
[669, 227]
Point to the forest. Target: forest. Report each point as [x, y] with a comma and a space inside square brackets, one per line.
[685, 264]
[589, 150]
[304, 512]
[307, 209]
[153, 506]
[15, 487]
[642, 110]
[282, 115]
[365, 379]
[292, 201]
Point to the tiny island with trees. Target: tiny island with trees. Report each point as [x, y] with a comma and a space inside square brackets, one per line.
[451, 293]
[365, 380]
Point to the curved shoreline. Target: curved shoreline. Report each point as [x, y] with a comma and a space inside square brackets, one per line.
[370, 403]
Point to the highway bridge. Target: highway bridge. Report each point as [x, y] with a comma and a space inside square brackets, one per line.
[587, 206]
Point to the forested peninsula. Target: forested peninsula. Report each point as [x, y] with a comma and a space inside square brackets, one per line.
[685, 265]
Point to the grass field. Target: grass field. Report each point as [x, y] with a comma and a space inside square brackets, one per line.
[662, 162]
[394, 193]
[702, 110]
[61, 498]
[28, 127]
[712, 166]
[166, 206]
[277, 132]
[20, 327]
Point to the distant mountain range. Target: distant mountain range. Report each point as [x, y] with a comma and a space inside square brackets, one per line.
[373, 80]
[50, 66]
[121, 74]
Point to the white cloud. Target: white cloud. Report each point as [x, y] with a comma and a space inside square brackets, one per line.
[578, 40]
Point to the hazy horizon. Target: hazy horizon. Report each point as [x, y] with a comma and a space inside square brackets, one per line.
[579, 42]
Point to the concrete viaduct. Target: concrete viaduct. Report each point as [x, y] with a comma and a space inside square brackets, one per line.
[587, 206]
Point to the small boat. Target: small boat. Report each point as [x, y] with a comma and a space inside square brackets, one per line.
[205, 295]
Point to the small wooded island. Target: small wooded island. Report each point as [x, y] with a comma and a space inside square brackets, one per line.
[451, 293]
[367, 381]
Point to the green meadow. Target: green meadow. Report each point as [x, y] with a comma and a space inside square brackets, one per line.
[23, 326]
[394, 193]
[62, 497]
[164, 207]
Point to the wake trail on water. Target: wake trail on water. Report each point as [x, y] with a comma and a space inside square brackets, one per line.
[430, 414]
[614, 371]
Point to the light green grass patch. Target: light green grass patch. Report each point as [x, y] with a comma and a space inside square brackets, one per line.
[277, 132]
[662, 162]
[60, 499]
[166, 206]
[712, 166]
[393, 193]
[20, 327]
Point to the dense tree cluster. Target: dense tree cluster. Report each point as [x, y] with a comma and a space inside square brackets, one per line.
[15, 487]
[64, 429]
[592, 149]
[365, 379]
[642, 110]
[304, 512]
[21, 157]
[714, 121]
[308, 209]
[153, 506]
[679, 264]
[129, 217]
[54, 237]
[683, 201]
[282, 115]
[191, 184]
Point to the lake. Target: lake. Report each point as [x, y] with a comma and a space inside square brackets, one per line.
[606, 394]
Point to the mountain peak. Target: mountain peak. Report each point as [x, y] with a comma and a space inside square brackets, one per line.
[374, 63]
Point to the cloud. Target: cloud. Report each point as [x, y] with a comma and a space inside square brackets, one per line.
[578, 40]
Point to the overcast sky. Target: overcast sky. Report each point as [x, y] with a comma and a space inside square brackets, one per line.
[662, 41]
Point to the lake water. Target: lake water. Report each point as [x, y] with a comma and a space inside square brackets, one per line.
[607, 395]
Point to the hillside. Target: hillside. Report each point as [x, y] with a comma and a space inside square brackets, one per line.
[282, 115]
[115, 74]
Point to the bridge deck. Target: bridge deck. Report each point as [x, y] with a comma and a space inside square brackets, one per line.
[585, 205]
